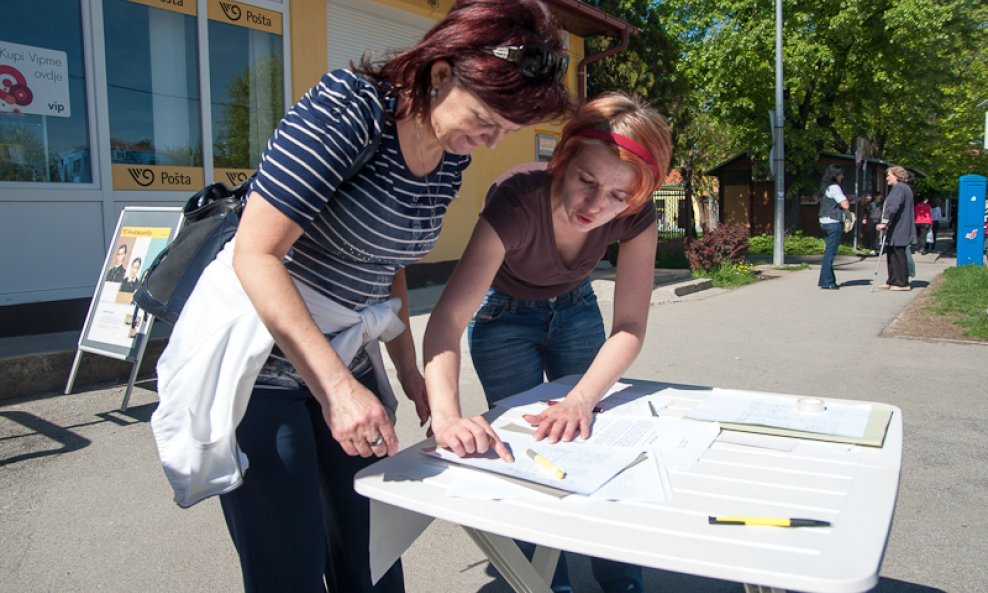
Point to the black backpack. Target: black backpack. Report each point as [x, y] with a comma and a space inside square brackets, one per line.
[211, 219]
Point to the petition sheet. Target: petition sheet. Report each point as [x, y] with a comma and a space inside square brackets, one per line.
[586, 468]
[621, 399]
[540, 394]
[681, 442]
[840, 419]
[645, 480]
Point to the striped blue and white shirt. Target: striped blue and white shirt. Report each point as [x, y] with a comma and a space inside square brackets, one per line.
[357, 233]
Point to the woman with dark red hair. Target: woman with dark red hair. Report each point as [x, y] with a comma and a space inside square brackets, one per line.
[319, 243]
[541, 233]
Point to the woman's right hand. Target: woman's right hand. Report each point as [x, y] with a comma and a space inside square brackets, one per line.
[356, 418]
[466, 436]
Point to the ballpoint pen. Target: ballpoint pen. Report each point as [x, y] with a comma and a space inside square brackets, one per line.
[769, 521]
[539, 459]
[652, 408]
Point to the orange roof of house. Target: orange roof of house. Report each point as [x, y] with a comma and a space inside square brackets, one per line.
[673, 178]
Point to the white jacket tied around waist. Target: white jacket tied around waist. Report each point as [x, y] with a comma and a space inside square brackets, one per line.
[207, 372]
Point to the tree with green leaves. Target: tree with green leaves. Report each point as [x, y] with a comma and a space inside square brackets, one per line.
[650, 67]
[903, 74]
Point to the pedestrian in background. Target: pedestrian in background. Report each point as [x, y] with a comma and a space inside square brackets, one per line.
[924, 222]
[937, 215]
[832, 202]
[900, 229]
[873, 216]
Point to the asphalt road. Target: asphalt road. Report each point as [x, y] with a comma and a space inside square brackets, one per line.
[85, 507]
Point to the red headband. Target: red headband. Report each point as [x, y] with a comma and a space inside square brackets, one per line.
[623, 142]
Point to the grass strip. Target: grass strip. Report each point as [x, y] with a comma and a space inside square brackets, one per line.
[964, 292]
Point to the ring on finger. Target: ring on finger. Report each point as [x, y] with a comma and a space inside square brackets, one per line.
[376, 442]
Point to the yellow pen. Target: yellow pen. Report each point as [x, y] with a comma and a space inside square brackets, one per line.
[539, 459]
[769, 521]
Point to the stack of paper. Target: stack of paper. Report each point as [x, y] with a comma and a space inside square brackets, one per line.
[845, 422]
[626, 457]
[586, 468]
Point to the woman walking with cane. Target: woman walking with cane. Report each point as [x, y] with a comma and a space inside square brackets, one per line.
[900, 232]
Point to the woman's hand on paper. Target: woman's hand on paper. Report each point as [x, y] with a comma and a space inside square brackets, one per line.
[466, 436]
[357, 419]
[562, 421]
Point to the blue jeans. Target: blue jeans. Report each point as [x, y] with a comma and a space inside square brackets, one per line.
[515, 345]
[831, 235]
[296, 521]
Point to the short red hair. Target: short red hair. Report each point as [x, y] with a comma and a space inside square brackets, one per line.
[628, 116]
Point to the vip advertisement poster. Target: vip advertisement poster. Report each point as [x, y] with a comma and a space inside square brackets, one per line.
[34, 80]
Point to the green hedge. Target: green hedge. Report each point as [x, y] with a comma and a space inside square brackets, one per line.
[795, 244]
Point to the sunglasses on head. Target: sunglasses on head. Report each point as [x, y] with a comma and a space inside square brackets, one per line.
[533, 61]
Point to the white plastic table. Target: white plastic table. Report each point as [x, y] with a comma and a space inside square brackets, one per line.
[854, 488]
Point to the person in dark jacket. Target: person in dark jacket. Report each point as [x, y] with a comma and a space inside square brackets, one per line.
[901, 232]
[874, 209]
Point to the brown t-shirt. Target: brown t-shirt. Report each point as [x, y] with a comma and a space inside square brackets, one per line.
[519, 210]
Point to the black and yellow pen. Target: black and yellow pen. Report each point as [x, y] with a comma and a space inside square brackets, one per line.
[769, 521]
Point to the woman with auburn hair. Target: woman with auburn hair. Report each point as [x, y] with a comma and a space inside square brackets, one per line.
[352, 187]
[541, 233]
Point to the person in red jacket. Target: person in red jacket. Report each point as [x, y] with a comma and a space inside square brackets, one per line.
[923, 220]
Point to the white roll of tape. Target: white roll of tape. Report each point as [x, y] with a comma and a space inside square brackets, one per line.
[810, 405]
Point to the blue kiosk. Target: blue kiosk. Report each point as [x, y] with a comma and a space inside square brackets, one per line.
[971, 219]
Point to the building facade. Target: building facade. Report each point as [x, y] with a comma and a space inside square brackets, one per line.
[745, 197]
[106, 104]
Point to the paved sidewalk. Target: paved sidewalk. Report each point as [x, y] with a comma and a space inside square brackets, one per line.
[85, 506]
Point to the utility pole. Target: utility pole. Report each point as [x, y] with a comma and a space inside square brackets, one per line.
[779, 166]
[985, 104]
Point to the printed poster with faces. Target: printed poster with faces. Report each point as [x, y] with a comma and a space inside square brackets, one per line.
[114, 320]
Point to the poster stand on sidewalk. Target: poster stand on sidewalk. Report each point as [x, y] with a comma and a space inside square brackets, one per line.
[115, 327]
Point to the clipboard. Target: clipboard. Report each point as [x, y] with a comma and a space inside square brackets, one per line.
[874, 435]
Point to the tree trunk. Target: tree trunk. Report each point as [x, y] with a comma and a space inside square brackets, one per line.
[690, 224]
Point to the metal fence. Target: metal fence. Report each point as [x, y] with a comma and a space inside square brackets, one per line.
[669, 203]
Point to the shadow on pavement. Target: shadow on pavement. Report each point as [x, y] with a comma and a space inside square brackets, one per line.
[896, 586]
[661, 580]
[27, 445]
[854, 283]
[133, 415]
[581, 577]
[69, 440]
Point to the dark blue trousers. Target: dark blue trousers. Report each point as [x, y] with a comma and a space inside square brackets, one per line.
[831, 236]
[514, 343]
[296, 521]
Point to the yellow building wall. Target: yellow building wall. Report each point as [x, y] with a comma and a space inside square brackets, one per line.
[309, 49]
[309, 46]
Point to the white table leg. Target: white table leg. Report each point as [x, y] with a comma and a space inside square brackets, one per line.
[544, 562]
[760, 589]
[512, 564]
